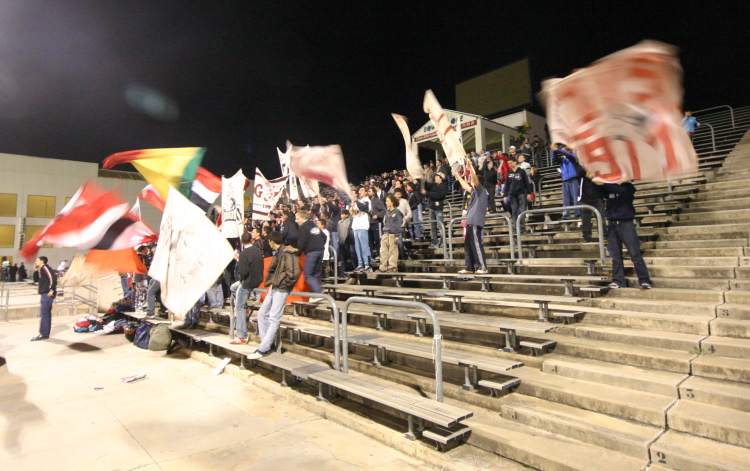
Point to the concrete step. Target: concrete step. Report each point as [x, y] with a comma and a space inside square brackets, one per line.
[742, 272]
[695, 244]
[613, 374]
[718, 214]
[738, 297]
[675, 271]
[726, 185]
[706, 219]
[667, 294]
[693, 324]
[618, 435]
[713, 251]
[738, 328]
[684, 452]
[716, 205]
[685, 284]
[660, 359]
[724, 368]
[643, 407]
[645, 338]
[726, 346]
[733, 311]
[716, 392]
[540, 449]
[669, 306]
[664, 236]
[717, 423]
[739, 284]
[721, 194]
[693, 261]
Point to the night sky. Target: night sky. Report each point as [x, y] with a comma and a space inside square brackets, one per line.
[247, 75]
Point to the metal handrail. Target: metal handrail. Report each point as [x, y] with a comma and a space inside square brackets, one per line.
[713, 136]
[497, 217]
[437, 337]
[336, 318]
[599, 220]
[442, 230]
[731, 111]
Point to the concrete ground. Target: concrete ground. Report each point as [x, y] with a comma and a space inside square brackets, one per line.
[64, 407]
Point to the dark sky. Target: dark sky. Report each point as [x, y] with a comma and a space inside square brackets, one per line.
[247, 75]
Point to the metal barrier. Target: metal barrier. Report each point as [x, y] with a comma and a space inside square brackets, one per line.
[599, 220]
[713, 136]
[442, 231]
[437, 336]
[498, 217]
[731, 111]
[336, 319]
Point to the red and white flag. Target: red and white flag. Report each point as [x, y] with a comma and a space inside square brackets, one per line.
[449, 137]
[152, 197]
[622, 115]
[82, 223]
[265, 195]
[204, 191]
[321, 163]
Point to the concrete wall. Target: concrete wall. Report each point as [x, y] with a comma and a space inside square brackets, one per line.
[26, 175]
[536, 123]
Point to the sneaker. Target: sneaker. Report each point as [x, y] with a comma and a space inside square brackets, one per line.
[645, 285]
[465, 272]
[358, 269]
[316, 300]
[38, 337]
[368, 269]
[613, 285]
[256, 355]
[481, 272]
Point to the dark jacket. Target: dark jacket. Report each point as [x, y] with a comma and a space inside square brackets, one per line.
[284, 269]
[590, 193]
[345, 231]
[47, 280]
[311, 238]
[489, 178]
[436, 193]
[619, 200]
[289, 232]
[517, 183]
[250, 266]
[378, 209]
[414, 199]
[393, 222]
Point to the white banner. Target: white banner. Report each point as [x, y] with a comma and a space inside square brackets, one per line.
[446, 131]
[265, 195]
[190, 255]
[324, 164]
[622, 115]
[413, 166]
[233, 205]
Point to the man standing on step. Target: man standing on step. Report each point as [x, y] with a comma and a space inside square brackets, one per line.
[47, 292]
[250, 271]
[475, 214]
[311, 242]
[516, 189]
[435, 193]
[621, 230]
[570, 171]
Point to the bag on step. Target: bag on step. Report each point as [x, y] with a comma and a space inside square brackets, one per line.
[160, 337]
[142, 336]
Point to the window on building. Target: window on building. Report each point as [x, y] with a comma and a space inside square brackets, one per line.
[29, 231]
[7, 235]
[68, 198]
[40, 206]
[8, 204]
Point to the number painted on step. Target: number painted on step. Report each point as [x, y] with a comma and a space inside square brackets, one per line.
[689, 394]
[661, 457]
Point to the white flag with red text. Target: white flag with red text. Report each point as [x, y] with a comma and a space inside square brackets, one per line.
[622, 115]
[447, 132]
[265, 195]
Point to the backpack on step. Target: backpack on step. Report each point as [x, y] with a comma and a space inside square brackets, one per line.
[160, 337]
[142, 336]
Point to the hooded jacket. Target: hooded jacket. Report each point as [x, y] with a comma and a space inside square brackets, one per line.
[619, 200]
[284, 269]
[250, 266]
[436, 193]
[47, 280]
[569, 167]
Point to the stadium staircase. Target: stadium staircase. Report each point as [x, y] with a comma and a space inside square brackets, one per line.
[622, 379]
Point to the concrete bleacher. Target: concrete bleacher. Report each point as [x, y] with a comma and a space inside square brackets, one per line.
[541, 362]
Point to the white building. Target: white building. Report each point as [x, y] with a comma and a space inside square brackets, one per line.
[33, 190]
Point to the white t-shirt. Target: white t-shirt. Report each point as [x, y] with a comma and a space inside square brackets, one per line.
[361, 221]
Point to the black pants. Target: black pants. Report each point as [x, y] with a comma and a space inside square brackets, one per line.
[586, 217]
[374, 239]
[491, 199]
[623, 232]
[474, 249]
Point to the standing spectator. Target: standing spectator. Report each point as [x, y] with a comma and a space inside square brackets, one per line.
[289, 229]
[516, 189]
[347, 254]
[489, 181]
[13, 272]
[621, 230]
[22, 275]
[250, 274]
[392, 227]
[281, 278]
[377, 211]
[429, 174]
[311, 243]
[690, 123]
[415, 205]
[435, 194]
[526, 166]
[570, 172]
[361, 227]
[47, 291]
[475, 218]
[525, 148]
[589, 195]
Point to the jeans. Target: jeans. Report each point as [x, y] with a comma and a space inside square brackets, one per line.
[362, 247]
[45, 314]
[312, 270]
[415, 228]
[517, 206]
[334, 244]
[474, 249]
[194, 314]
[623, 232]
[215, 296]
[570, 196]
[269, 318]
[240, 312]
[435, 236]
[154, 288]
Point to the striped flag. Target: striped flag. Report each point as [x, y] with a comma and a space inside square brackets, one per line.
[205, 189]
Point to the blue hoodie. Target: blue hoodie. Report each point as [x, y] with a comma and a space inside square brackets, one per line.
[567, 162]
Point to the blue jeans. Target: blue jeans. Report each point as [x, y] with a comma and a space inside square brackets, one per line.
[194, 314]
[215, 296]
[415, 229]
[269, 318]
[312, 270]
[240, 317]
[45, 313]
[570, 196]
[619, 233]
[154, 287]
[435, 236]
[362, 247]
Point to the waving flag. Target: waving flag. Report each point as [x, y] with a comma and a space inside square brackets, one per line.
[413, 166]
[190, 255]
[82, 223]
[622, 115]
[162, 168]
[265, 195]
[233, 205]
[205, 189]
[449, 137]
[321, 163]
[120, 261]
[152, 197]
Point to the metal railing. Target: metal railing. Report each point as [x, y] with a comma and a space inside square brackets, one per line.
[336, 319]
[437, 337]
[713, 135]
[525, 214]
[498, 217]
[731, 111]
[442, 231]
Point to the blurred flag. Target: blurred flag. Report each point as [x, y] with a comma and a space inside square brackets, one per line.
[120, 261]
[190, 255]
[321, 163]
[265, 195]
[447, 133]
[162, 168]
[82, 223]
[152, 197]
[413, 166]
[233, 205]
[205, 189]
[622, 115]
